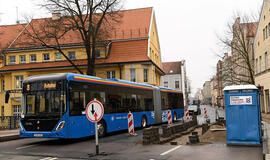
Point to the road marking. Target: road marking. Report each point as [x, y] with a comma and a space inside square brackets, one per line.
[164, 153]
[49, 158]
[26, 146]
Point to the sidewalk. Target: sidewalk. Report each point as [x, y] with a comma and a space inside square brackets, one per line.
[6, 135]
[266, 135]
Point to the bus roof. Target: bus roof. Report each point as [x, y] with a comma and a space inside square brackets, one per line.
[115, 82]
[93, 79]
[46, 77]
[164, 89]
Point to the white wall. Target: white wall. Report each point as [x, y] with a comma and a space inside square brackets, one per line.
[171, 80]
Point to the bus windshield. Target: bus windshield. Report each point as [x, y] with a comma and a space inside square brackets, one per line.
[45, 102]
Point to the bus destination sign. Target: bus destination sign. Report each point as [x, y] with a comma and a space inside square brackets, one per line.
[49, 85]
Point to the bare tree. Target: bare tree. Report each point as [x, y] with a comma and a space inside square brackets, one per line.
[239, 39]
[91, 20]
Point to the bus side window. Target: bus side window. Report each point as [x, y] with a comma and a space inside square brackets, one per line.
[164, 101]
[77, 103]
[114, 102]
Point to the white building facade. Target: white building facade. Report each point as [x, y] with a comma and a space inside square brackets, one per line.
[175, 77]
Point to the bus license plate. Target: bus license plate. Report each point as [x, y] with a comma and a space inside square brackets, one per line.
[38, 135]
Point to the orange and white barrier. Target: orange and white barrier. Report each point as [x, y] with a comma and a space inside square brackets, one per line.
[169, 114]
[205, 113]
[130, 124]
[186, 116]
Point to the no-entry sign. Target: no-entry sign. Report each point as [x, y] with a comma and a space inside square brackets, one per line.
[94, 111]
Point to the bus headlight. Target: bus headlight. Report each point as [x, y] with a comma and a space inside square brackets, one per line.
[60, 125]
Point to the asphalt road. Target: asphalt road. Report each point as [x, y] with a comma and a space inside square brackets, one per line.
[120, 146]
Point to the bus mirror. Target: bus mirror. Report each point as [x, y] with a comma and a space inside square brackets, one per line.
[7, 97]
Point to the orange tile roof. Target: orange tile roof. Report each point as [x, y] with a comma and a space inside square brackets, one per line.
[121, 52]
[172, 67]
[130, 45]
[133, 23]
[8, 33]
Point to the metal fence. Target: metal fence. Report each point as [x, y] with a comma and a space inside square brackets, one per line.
[9, 122]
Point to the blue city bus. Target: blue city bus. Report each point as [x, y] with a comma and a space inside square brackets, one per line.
[53, 105]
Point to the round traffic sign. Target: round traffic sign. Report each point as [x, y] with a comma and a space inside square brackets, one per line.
[94, 111]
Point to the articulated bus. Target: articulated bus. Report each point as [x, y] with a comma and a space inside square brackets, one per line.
[54, 105]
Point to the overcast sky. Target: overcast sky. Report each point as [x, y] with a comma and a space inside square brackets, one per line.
[187, 28]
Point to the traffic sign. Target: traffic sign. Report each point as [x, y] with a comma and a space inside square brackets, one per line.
[94, 111]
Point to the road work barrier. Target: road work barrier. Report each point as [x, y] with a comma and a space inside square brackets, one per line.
[169, 115]
[186, 117]
[205, 113]
[130, 124]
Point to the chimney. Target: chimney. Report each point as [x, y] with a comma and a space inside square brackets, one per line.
[56, 16]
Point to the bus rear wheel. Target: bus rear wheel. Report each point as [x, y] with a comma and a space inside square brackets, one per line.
[144, 122]
[101, 128]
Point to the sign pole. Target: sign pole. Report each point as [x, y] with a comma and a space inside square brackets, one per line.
[97, 147]
[94, 113]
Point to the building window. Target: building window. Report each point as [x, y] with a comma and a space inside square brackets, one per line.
[268, 29]
[33, 58]
[18, 82]
[256, 65]
[71, 55]
[176, 84]
[133, 75]
[267, 103]
[264, 37]
[2, 111]
[46, 57]
[145, 75]
[58, 57]
[266, 60]
[22, 59]
[166, 84]
[3, 86]
[263, 34]
[16, 110]
[12, 59]
[266, 32]
[260, 63]
[110, 74]
[97, 53]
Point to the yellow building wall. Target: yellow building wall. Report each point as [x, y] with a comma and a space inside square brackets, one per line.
[261, 46]
[79, 53]
[154, 51]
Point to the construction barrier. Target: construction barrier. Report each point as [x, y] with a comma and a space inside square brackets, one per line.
[205, 113]
[186, 116]
[130, 124]
[169, 114]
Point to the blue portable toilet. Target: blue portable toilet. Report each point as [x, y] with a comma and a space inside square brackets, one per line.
[243, 116]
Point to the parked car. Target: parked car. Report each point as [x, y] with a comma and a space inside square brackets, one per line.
[194, 109]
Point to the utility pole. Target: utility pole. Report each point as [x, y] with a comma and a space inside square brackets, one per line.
[183, 76]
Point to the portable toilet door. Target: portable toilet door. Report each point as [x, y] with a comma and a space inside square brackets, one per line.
[243, 118]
